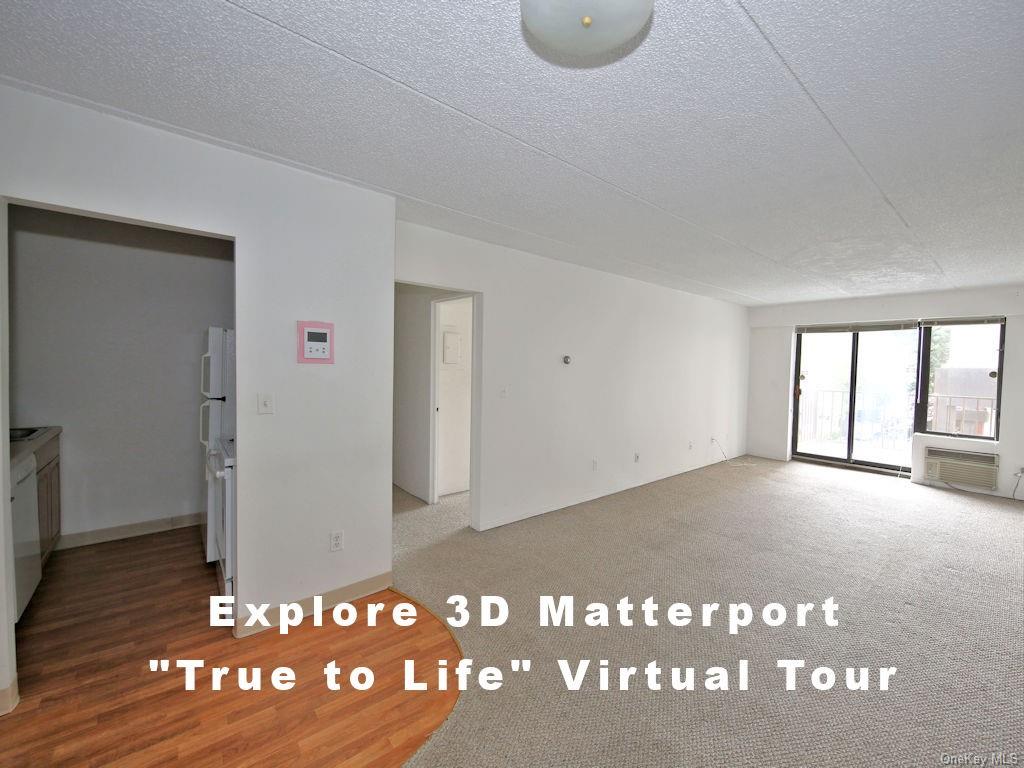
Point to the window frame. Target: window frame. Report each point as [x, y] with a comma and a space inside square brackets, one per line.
[924, 329]
[924, 365]
[848, 460]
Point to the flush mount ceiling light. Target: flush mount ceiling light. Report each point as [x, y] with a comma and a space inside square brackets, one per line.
[585, 27]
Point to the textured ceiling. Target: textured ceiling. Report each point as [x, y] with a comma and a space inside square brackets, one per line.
[754, 150]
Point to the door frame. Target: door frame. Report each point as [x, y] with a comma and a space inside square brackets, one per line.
[8, 604]
[848, 461]
[435, 385]
[8, 657]
[435, 311]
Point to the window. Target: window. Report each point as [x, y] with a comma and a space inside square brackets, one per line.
[862, 391]
[960, 378]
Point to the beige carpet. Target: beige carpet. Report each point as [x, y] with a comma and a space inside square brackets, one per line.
[929, 581]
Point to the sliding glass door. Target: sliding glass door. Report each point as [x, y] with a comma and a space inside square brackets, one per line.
[883, 427]
[855, 396]
[824, 394]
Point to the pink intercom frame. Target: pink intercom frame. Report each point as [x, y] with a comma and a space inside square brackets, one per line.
[301, 342]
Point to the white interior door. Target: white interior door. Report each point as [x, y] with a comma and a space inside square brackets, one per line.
[454, 366]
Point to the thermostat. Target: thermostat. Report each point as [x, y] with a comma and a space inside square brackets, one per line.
[315, 342]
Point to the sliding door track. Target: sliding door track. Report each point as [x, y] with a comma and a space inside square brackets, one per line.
[861, 466]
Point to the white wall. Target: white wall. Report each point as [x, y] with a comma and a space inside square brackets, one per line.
[771, 372]
[770, 403]
[107, 324]
[306, 248]
[653, 370]
[454, 396]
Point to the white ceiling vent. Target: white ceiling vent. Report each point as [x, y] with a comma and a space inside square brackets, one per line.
[962, 467]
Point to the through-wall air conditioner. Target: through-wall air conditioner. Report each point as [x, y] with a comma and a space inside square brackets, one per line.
[945, 465]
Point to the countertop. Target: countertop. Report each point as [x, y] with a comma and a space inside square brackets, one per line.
[21, 448]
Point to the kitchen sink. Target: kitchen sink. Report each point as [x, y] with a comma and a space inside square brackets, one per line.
[25, 433]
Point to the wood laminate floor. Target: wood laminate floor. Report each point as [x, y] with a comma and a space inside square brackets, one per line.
[89, 699]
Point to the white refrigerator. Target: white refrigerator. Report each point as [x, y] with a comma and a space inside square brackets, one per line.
[217, 431]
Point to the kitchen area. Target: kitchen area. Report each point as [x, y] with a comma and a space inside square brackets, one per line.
[122, 391]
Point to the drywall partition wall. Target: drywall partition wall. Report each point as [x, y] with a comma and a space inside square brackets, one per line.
[453, 353]
[770, 404]
[654, 371]
[772, 374]
[122, 310]
[306, 248]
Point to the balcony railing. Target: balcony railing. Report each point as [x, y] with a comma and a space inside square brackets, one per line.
[962, 415]
[824, 417]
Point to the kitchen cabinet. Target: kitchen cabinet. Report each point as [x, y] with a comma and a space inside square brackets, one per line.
[44, 443]
[48, 488]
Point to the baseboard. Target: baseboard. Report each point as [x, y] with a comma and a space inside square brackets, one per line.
[331, 598]
[9, 698]
[518, 517]
[71, 540]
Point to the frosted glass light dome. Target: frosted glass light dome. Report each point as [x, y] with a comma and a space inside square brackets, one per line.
[585, 27]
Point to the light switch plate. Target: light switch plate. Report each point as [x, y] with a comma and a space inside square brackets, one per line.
[264, 404]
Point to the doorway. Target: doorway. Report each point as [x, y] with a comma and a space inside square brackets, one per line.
[436, 391]
[103, 325]
[855, 395]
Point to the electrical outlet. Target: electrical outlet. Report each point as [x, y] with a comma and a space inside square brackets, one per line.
[337, 541]
[636, 458]
[594, 465]
[691, 445]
